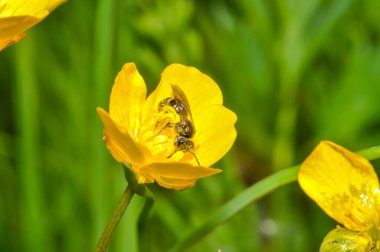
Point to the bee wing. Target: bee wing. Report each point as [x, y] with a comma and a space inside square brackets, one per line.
[180, 95]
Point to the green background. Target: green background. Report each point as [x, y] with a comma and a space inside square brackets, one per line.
[295, 72]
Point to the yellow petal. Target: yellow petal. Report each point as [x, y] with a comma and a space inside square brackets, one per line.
[33, 8]
[178, 176]
[127, 99]
[176, 184]
[343, 184]
[201, 91]
[54, 4]
[11, 27]
[342, 239]
[17, 16]
[215, 133]
[8, 42]
[177, 170]
[122, 147]
[36, 8]
[142, 177]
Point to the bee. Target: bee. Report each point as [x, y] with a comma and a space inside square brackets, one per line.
[185, 127]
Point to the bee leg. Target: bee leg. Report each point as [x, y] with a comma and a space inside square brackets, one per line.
[167, 125]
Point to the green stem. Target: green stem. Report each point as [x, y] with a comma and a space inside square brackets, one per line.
[28, 163]
[248, 196]
[104, 24]
[115, 219]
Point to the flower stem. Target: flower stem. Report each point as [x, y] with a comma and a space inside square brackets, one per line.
[115, 219]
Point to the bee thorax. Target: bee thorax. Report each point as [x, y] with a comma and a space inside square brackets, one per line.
[184, 128]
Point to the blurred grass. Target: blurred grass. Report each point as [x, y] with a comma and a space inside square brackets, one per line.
[294, 71]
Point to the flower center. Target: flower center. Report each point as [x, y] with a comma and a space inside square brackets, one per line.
[159, 132]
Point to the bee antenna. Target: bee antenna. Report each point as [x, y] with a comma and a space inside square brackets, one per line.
[195, 157]
[191, 153]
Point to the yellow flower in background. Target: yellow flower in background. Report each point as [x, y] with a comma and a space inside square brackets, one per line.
[16, 16]
[346, 187]
[173, 136]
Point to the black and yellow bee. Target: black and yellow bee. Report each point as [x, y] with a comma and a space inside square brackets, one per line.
[185, 127]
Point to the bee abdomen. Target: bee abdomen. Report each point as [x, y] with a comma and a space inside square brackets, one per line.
[183, 144]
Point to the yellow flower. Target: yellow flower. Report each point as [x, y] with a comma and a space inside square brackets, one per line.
[16, 16]
[146, 132]
[346, 187]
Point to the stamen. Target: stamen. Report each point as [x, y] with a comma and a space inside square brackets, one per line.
[158, 133]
